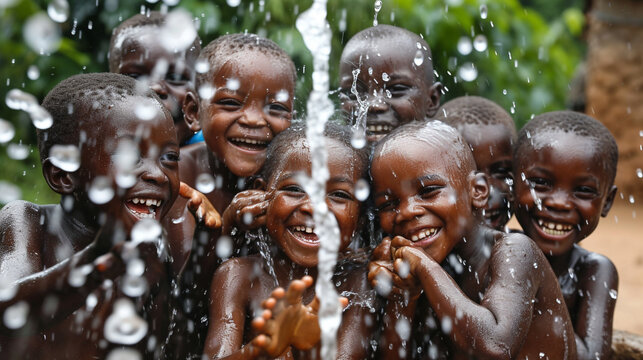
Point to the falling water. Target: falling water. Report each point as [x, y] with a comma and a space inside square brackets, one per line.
[316, 33]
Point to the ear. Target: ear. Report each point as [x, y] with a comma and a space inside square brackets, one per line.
[259, 184]
[59, 180]
[433, 101]
[479, 189]
[191, 111]
[609, 201]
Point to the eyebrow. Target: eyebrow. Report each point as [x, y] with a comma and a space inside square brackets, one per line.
[429, 178]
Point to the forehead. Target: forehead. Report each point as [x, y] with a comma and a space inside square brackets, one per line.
[143, 41]
[486, 135]
[253, 65]
[563, 149]
[391, 54]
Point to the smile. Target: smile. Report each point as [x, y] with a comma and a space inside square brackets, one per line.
[554, 228]
[305, 234]
[385, 129]
[249, 144]
[424, 234]
[143, 208]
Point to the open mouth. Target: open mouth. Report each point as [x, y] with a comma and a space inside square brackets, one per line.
[425, 236]
[554, 228]
[379, 130]
[249, 144]
[305, 234]
[143, 208]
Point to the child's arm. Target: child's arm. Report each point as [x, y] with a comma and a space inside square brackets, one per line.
[497, 327]
[595, 309]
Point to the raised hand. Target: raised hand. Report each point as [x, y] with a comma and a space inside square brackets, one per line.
[247, 211]
[383, 268]
[200, 207]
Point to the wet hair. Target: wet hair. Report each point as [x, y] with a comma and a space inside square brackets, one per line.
[379, 32]
[82, 98]
[219, 51]
[279, 146]
[433, 132]
[575, 123]
[122, 31]
[475, 110]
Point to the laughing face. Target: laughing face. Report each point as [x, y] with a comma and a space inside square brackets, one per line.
[289, 218]
[565, 191]
[144, 151]
[422, 194]
[492, 151]
[252, 103]
[395, 89]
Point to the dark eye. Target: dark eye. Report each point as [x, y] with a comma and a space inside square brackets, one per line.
[278, 109]
[386, 206]
[340, 194]
[176, 78]
[229, 103]
[538, 183]
[295, 189]
[170, 157]
[501, 172]
[398, 90]
[429, 191]
[586, 192]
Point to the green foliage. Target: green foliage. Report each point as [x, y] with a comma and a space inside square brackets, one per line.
[526, 67]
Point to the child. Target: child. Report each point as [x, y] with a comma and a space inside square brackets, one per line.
[491, 132]
[567, 162]
[239, 285]
[136, 50]
[67, 266]
[395, 79]
[245, 99]
[501, 300]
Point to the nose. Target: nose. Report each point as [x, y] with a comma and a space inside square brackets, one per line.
[151, 172]
[377, 102]
[558, 200]
[306, 206]
[253, 116]
[160, 89]
[407, 210]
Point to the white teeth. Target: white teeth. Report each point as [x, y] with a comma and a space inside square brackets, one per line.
[304, 229]
[249, 141]
[553, 228]
[146, 202]
[379, 128]
[423, 234]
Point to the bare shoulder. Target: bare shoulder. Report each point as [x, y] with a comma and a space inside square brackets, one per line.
[242, 270]
[594, 266]
[517, 244]
[21, 237]
[193, 157]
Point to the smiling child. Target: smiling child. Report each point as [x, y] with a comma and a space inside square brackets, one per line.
[496, 296]
[395, 78]
[567, 162]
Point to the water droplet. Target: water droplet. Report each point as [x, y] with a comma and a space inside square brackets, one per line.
[383, 284]
[224, 247]
[8, 193]
[58, 10]
[205, 183]
[33, 72]
[282, 96]
[541, 355]
[403, 328]
[124, 326]
[202, 66]
[464, 45]
[480, 43]
[232, 84]
[631, 199]
[19, 100]
[78, 275]
[124, 353]
[206, 92]
[362, 189]
[134, 286]
[468, 72]
[447, 325]
[8, 288]
[483, 11]
[385, 77]
[7, 132]
[41, 34]
[378, 5]
[146, 230]
[233, 3]
[135, 267]
[15, 316]
[65, 157]
[171, 2]
[358, 140]
[40, 117]
[419, 58]
[17, 151]
[179, 32]
[101, 191]
[613, 293]
[146, 110]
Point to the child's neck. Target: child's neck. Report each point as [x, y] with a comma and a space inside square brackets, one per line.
[222, 195]
[287, 270]
[560, 263]
[76, 225]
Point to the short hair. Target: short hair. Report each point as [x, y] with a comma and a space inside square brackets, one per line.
[219, 50]
[475, 110]
[284, 140]
[383, 31]
[122, 31]
[432, 132]
[575, 123]
[68, 104]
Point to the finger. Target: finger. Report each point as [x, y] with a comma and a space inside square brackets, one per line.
[185, 190]
[261, 341]
[308, 280]
[295, 292]
[278, 293]
[400, 241]
[343, 301]
[269, 303]
[382, 251]
[314, 305]
[266, 314]
[258, 323]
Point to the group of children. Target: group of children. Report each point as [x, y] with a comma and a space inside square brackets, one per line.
[141, 271]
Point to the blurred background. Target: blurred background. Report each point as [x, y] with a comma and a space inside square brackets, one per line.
[529, 56]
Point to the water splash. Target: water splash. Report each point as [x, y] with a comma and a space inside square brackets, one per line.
[124, 326]
[377, 7]
[464, 45]
[41, 118]
[480, 43]
[7, 131]
[17, 99]
[316, 33]
[41, 34]
[15, 316]
[58, 10]
[358, 140]
[205, 183]
[65, 157]
[9, 192]
[101, 191]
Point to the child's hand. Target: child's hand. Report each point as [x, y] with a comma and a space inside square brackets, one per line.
[200, 207]
[398, 271]
[247, 211]
[407, 259]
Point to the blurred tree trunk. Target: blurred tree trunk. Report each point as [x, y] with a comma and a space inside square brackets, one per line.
[615, 83]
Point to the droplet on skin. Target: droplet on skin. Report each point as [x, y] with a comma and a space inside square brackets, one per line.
[613, 293]
[362, 190]
[419, 58]
[58, 10]
[65, 157]
[7, 131]
[101, 191]
[15, 316]
[282, 96]
[205, 183]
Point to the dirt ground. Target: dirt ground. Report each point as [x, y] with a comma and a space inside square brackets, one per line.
[619, 237]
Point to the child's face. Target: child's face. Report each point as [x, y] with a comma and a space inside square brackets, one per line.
[289, 218]
[395, 89]
[492, 151]
[565, 173]
[253, 103]
[154, 170]
[141, 53]
[422, 195]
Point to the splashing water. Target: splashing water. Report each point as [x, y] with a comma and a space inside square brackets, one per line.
[40, 117]
[58, 10]
[101, 190]
[8, 193]
[464, 45]
[7, 132]
[205, 183]
[41, 34]
[124, 326]
[468, 72]
[15, 316]
[179, 32]
[316, 33]
[377, 7]
[480, 43]
[358, 140]
[17, 99]
[419, 58]
[65, 157]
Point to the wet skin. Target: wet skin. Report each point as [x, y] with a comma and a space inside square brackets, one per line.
[492, 151]
[40, 243]
[141, 52]
[412, 95]
[499, 305]
[240, 285]
[567, 173]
